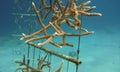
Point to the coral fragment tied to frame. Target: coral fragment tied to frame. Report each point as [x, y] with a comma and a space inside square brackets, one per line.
[61, 15]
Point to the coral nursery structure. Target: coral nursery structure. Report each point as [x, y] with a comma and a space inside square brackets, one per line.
[60, 14]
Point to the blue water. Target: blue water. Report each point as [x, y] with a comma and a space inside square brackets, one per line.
[99, 52]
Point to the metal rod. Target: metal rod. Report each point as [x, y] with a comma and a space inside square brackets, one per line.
[71, 59]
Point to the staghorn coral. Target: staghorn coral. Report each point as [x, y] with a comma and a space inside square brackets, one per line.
[61, 15]
[41, 63]
[69, 14]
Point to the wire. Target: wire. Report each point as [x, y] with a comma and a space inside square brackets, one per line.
[68, 66]
[28, 53]
[28, 57]
[79, 39]
[33, 56]
[49, 59]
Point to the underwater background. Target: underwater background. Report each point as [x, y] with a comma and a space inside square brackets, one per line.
[99, 52]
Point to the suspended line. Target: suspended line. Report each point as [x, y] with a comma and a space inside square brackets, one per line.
[79, 39]
[33, 56]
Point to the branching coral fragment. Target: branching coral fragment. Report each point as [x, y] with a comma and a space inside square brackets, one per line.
[68, 14]
[61, 15]
[60, 68]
